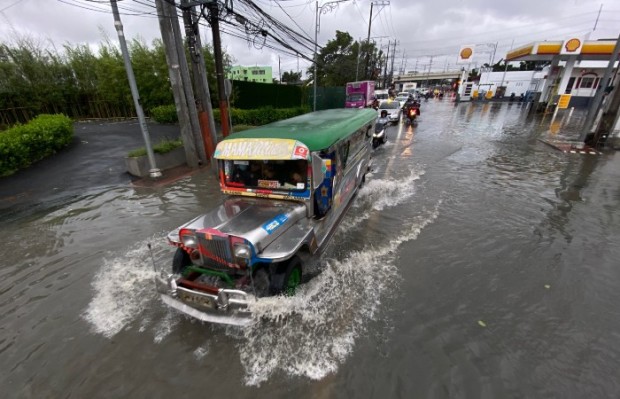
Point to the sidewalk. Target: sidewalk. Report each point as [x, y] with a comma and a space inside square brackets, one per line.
[94, 159]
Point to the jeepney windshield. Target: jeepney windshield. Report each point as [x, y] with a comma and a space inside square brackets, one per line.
[269, 174]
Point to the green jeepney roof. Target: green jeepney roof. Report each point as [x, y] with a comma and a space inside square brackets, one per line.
[317, 130]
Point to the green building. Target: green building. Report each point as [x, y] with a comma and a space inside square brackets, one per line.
[261, 74]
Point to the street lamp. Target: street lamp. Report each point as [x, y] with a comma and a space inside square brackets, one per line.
[324, 9]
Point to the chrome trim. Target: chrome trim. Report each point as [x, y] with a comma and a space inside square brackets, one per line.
[234, 320]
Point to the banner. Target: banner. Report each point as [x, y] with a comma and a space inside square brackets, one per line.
[466, 54]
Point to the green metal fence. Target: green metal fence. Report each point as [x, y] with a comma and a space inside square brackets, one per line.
[251, 95]
[326, 97]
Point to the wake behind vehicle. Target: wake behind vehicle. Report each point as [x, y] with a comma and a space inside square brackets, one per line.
[288, 184]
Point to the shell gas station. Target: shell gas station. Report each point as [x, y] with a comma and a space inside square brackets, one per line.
[576, 79]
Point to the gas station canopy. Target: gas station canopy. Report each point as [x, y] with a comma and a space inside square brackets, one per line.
[599, 50]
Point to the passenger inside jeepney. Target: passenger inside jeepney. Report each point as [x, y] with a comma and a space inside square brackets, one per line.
[297, 175]
[271, 174]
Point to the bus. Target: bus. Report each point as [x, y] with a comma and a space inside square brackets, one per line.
[287, 185]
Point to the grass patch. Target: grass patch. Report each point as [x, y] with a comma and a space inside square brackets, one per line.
[161, 148]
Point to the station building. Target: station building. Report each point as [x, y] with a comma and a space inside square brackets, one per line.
[576, 68]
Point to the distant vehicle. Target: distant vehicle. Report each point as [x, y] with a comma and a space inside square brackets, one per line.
[288, 185]
[381, 95]
[402, 98]
[409, 86]
[360, 94]
[393, 108]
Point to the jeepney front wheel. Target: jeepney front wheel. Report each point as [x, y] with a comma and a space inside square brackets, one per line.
[286, 278]
[180, 261]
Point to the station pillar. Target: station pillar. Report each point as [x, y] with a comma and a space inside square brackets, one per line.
[568, 71]
[541, 102]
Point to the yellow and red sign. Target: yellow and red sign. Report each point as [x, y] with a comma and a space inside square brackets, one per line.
[572, 46]
[466, 54]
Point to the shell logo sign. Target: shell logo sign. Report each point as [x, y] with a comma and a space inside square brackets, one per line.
[466, 54]
[572, 46]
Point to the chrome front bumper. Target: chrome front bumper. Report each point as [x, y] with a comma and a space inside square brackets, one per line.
[227, 307]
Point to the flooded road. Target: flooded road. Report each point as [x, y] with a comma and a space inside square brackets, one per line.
[476, 262]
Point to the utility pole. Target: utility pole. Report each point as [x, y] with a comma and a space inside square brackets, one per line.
[393, 58]
[387, 58]
[154, 172]
[167, 18]
[214, 10]
[204, 113]
[372, 3]
[205, 110]
[429, 71]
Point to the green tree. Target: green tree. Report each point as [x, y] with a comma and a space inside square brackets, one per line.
[291, 77]
[342, 60]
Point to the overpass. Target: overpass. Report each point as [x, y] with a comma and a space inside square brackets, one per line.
[426, 76]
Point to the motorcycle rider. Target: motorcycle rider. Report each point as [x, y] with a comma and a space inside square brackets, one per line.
[412, 109]
[384, 117]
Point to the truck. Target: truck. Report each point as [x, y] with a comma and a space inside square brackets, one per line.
[409, 87]
[360, 94]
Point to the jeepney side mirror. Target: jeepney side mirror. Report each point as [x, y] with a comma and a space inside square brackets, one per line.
[319, 167]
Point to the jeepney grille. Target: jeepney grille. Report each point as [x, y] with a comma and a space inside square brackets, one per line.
[215, 252]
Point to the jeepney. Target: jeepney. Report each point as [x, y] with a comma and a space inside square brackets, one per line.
[287, 185]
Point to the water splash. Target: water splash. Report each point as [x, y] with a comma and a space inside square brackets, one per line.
[123, 289]
[312, 333]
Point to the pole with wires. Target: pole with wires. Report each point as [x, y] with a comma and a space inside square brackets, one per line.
[154, 172]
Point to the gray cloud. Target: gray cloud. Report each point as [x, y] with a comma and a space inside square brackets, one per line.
[422, 28]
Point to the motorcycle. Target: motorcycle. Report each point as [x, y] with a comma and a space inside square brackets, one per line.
[380, 134]
[410, 117]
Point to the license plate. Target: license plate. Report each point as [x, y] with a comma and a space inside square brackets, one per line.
[196, 300]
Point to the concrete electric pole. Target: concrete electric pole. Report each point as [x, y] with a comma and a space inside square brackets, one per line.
[154, 172]
[189, 125]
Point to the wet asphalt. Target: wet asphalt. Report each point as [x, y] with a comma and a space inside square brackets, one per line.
[96, 158]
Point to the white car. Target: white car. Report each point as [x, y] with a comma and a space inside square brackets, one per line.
[393, 108]
[402, 99]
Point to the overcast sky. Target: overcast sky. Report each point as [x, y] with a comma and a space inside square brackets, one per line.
[422, 28]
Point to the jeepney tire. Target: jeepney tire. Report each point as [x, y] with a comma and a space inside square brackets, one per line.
[282, 276]
[180, 261]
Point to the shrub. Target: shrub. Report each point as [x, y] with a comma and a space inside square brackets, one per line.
[164, 114]
[22, 145]
[161, 148]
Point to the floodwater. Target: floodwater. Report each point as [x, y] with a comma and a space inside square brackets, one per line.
[476, 262]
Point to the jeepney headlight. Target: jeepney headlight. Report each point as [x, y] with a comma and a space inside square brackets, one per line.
[188, 238]
[242, 251]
